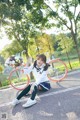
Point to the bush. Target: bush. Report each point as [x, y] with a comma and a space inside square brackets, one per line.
[2, 61]
[1, 68]
[5, 83]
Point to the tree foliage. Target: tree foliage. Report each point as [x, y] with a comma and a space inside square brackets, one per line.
[67, 15]
[65, 43]
[24, 19]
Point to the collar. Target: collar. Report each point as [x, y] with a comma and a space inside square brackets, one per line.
[42, 66]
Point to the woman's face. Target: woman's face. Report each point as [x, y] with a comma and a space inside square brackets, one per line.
[39, 62]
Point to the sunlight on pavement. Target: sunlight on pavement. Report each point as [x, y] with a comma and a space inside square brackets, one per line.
[72, 116]
[43, 113]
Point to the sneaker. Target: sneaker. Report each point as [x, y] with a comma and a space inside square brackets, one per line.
[15, 102]
[29, 103]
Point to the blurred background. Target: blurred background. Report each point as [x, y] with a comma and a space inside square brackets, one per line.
[31, 27]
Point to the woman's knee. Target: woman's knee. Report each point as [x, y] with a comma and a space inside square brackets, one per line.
[39, 88]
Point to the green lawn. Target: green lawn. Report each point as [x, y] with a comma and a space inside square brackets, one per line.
[74, 63]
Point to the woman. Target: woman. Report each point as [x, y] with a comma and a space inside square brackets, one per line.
[39, 69]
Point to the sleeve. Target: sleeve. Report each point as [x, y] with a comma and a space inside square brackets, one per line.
[27, 70]
[40, 78]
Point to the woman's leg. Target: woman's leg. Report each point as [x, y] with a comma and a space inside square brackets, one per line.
[24, 92]
[34, 93]
[31, 101]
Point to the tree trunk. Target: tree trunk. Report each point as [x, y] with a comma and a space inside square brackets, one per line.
[50, 51]
[74, 36]
[29, 61]
[28, 58]
[76, 45]
[0, 84]
[69, 60]
[37, 46]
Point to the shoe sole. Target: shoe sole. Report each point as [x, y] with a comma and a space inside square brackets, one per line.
[15, 104]
[29, 105]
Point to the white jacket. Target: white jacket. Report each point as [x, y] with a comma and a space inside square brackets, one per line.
[40, 76]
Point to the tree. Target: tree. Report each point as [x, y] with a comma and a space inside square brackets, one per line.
[41, 43]
[26, 15]
[11, 49]
[23, 16]
[66, 44]
[19, 32]
[46, 43]
[66, 16]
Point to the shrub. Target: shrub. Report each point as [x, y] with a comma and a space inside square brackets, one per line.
[1, 68]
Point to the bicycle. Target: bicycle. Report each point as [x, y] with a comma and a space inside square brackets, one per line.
[56, 73]
[17, 77]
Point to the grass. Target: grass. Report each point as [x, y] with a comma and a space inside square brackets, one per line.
[74, 63]
[5, 83]
[4, 79]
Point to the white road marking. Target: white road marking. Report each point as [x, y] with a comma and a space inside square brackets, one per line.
[61, 91]
[49, 94]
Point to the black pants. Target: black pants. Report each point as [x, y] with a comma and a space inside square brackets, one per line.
[26, 90]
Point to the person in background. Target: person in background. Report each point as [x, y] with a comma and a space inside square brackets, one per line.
[13, 60]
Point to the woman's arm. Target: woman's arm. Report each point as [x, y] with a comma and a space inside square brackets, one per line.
[27, 70]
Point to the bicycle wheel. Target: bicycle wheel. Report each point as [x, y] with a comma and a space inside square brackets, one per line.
[18, 79]
[57, 70]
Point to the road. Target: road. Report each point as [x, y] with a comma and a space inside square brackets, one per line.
[62, 102]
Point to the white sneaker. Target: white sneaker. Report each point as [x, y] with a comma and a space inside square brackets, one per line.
[15, 102]
[29, 103]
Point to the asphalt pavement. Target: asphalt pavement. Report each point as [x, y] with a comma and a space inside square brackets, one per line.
[62, 102]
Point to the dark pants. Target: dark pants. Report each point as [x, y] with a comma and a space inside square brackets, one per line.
[27, 89]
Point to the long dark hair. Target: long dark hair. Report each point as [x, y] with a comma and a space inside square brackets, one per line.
[42, 57]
